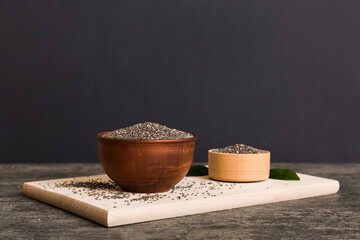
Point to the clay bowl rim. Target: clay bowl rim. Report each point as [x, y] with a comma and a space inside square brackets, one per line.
[100, 136]
[238, 154]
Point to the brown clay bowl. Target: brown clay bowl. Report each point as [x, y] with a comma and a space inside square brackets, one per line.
[146, 166]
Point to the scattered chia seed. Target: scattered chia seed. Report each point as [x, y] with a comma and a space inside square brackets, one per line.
[239, 149]
[148, 131]
[100, 189]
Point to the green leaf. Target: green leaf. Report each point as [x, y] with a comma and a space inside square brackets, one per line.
[198, 170]
[283, 174]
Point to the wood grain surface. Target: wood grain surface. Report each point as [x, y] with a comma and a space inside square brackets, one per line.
[204, 195]
[239, 167]
[333, 216]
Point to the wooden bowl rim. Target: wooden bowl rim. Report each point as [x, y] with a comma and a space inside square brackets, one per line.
[100, 136]
[238, 154]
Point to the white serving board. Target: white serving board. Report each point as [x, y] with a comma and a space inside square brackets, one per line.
[115, 207]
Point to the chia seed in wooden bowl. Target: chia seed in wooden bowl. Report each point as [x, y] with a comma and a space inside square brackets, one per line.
[148, 131]
[239, 149]
[239, 163]
[146, 157]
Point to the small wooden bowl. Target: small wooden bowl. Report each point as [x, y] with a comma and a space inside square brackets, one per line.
[232, 167]
[146, 166]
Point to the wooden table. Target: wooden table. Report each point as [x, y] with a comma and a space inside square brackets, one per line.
[334, 216]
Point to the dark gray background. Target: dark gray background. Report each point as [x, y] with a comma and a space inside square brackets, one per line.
[278, 75]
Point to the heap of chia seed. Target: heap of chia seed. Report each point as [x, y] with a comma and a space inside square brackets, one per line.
[239, 149]
[148, 131]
